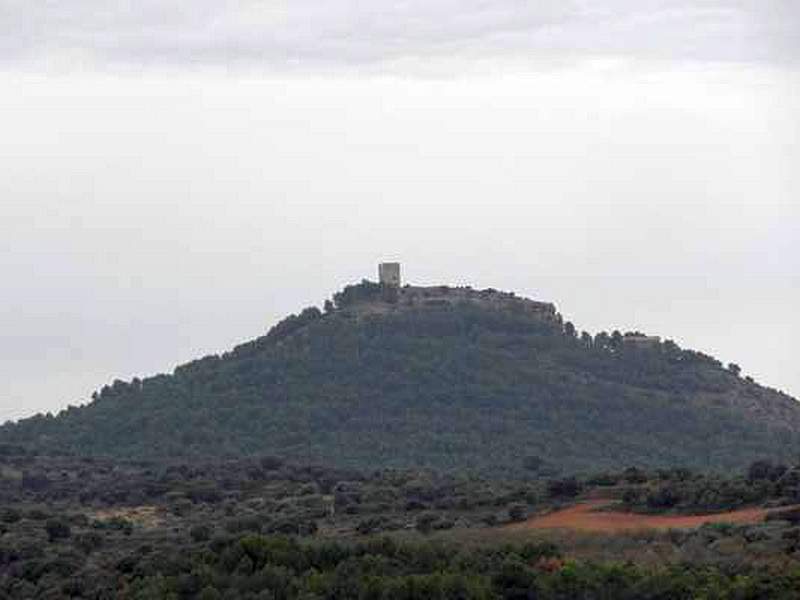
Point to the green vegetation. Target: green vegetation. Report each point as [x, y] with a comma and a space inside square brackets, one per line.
[451, 386]
[681, 491]
[255, 567]
[445, 419]
[261, 528]
[246, 567]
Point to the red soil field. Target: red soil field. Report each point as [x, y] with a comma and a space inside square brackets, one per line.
[586, 517]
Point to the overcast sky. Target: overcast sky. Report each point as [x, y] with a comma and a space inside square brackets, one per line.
[175, 177]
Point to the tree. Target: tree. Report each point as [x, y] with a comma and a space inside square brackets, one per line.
[569, 329]
[759, 470]
[425, 522]
[664, 496]
[210, 593]
[602, 340]
[762, 470]
[568, 487]
[616, 340]
[365, 291]
[517, 512]
[735, 369]
[634, 475]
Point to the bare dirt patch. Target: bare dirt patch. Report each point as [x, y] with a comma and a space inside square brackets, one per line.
[144, 516]
[587, 516]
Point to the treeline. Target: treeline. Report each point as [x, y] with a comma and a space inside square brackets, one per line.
[256, 567]
[388, 570]
[684, 491]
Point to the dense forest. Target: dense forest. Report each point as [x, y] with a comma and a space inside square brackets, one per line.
[480, 386]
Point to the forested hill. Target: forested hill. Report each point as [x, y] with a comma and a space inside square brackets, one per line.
[447, 378]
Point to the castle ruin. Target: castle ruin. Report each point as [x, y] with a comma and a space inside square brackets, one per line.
[389, 274]
[396, 296]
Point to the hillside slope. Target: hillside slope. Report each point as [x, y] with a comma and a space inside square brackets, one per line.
[447, 378]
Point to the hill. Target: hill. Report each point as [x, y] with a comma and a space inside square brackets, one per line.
[448, 378]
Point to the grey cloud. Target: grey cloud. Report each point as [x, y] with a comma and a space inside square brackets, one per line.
[317, 32]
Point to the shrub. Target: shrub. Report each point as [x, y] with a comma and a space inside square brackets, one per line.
[425, 522]
[9, 515]
[250, 524]
[57, 529]
[35, 482]
[88, 542]
[200, 533]
[374, 525]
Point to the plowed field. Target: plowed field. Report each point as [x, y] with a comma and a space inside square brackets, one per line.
[586, 516]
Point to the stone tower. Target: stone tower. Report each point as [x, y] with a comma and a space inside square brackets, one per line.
[389, 274]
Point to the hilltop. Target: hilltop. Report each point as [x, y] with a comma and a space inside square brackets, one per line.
[454, 379]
